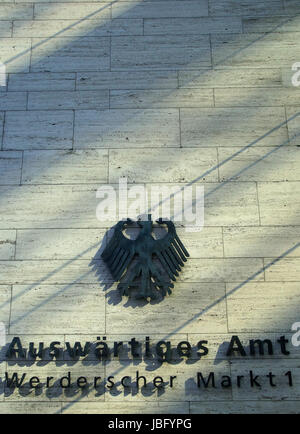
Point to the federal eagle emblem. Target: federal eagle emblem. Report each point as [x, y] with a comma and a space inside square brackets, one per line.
[156, 262]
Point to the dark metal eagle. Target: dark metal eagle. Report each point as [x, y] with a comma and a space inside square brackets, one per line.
[151, 256]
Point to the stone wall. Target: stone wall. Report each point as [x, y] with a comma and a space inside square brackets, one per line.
[167, 92]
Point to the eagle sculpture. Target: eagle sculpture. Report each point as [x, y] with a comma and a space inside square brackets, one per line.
[151, 256]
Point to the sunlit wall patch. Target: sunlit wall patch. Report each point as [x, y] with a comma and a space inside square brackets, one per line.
[2, 75]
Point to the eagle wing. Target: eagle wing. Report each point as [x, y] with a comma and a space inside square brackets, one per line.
[119, 251]
[170, 251]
